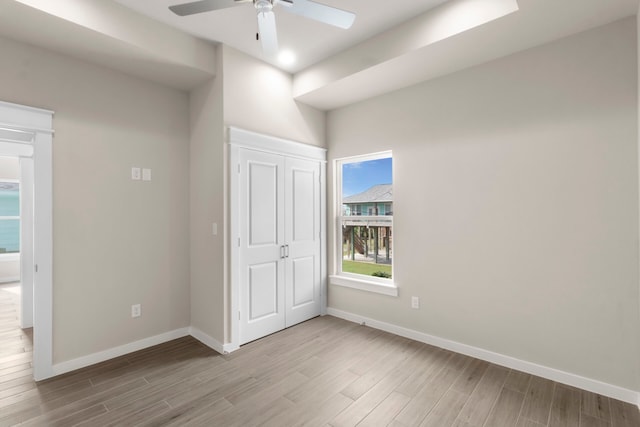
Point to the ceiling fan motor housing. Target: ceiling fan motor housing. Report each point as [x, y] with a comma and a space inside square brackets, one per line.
[263, 6]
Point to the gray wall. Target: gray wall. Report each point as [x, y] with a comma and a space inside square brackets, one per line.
[207, 207]
[515, 204]
[259, 97]
[116, 241]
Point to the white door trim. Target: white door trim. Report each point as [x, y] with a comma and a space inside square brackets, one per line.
[26, 241]
[238, 139]
[33, 127]
[245, 139]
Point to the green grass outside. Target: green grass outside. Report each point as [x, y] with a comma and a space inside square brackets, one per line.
[364, 267]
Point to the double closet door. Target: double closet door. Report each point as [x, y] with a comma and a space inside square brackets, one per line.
[279, 242]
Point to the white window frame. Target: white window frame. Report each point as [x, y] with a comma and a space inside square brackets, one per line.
[374, 284]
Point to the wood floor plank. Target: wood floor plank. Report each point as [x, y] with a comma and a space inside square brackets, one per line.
[126, 416]
[624, 414]
[69, 420]
[245, 410]
[537, 404]
[565, 409]
[378, 371]
[323, 389]
[429, 395]
[325, 412]
[215, 388]
[595, 405]
[359, 409]
[589, 421]
[386, 411]
[17, 389]
[429, 363]
[523, 422]
[82, 376]
[80, 393]
[481, 401]
[10, 383]
[13, 369]
[507, 408]
[471, 377]
[274, 412]
[19, 414]
[18, 374]
[74, 402]
[518, 381]
[312, 413]
[447, 409]
[152, 393]
[380, 348]
[192, 413]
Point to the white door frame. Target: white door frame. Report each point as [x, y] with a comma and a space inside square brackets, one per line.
[29, 132]
[26, 241]
[237, 140]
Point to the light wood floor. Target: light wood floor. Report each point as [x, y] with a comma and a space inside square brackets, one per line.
[323, 372]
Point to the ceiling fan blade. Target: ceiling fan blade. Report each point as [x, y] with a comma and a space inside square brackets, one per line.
[320, 12]
[267, 31]
[201, 6]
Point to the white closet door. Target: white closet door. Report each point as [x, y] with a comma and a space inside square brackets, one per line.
[302, 237]
[262, 232]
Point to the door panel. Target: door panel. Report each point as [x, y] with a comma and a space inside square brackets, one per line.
[261, 237]
[263, 199]
[303, 274]
[263, 291]
[303, 205]
[302, 222]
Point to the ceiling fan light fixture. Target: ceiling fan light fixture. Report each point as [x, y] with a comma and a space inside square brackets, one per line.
[267, 34]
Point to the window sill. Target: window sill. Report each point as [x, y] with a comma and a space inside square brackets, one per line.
[365, 285]
[11, 256]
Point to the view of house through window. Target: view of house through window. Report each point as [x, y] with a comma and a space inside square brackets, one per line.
[367, 216]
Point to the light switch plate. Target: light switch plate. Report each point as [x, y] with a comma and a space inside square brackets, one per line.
[146, 174]
[135, 174]
[214, 229]
[136, 310]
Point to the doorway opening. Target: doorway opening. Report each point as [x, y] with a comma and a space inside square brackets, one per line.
[26, 135]
[16, 315]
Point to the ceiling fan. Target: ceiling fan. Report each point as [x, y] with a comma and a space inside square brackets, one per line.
[266, 18]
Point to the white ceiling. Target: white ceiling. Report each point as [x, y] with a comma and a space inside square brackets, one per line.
[311, 41]
[393, 43]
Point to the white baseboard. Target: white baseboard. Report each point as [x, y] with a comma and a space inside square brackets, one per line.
[211, 342]
[574, 380]
[9, 279]
[101, 356]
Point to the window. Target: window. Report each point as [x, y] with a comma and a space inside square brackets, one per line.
[364, 223]
[9, 217]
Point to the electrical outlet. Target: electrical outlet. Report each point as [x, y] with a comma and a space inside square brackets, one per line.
[415, 303]
[136, 310]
